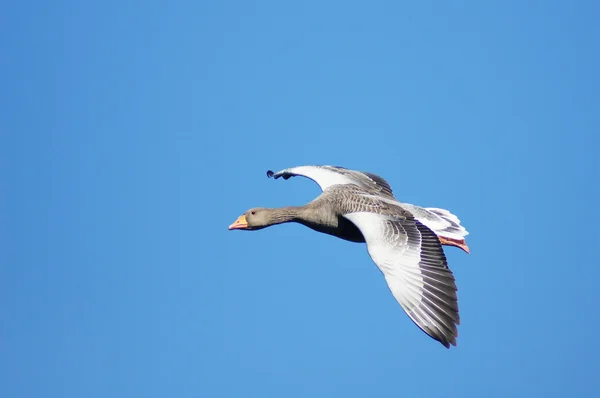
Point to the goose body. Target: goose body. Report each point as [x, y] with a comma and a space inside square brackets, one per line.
[403, 240]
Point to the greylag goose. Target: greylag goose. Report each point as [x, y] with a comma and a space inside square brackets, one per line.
[404, 241]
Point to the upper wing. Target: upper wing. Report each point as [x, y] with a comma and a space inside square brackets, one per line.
[411, 258]
[327, 176]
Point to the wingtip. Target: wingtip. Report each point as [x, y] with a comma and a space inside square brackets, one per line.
[449, 343]
[270, 173]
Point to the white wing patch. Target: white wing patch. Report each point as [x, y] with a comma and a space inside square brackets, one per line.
[398, 262]
[327, 176]
[414, 266]
[324, 177]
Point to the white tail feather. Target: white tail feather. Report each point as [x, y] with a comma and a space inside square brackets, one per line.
[453, 229]
[444, 214]
[440, 221]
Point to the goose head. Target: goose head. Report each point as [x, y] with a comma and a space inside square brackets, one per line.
[253, 219]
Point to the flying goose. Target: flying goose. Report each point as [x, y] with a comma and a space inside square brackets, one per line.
[405, 241]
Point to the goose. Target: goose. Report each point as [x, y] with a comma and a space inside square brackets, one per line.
[403, 240]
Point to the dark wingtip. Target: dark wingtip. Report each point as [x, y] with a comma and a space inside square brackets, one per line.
[270, 173]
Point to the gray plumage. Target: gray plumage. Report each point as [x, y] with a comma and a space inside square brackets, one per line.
[361, 207]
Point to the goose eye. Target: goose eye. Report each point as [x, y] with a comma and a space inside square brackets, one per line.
[253, 212]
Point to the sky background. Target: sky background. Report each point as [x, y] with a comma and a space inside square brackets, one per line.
[133, 133]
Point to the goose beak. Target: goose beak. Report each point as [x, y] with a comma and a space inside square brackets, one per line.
[240, 223]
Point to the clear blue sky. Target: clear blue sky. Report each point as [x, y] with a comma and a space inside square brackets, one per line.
[133, 133]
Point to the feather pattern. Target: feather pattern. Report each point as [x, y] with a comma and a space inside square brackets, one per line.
[403, 240]
[411, 258]
[408, 253]
[326, 176]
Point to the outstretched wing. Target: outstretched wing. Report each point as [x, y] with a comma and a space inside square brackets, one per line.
[411, 258]
[326, 176]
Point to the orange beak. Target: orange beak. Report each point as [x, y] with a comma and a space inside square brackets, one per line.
[240, 223]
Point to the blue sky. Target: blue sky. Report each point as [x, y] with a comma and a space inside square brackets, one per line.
[134, 133]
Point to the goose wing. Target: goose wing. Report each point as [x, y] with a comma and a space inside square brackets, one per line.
[326, 176]
[411, 258]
